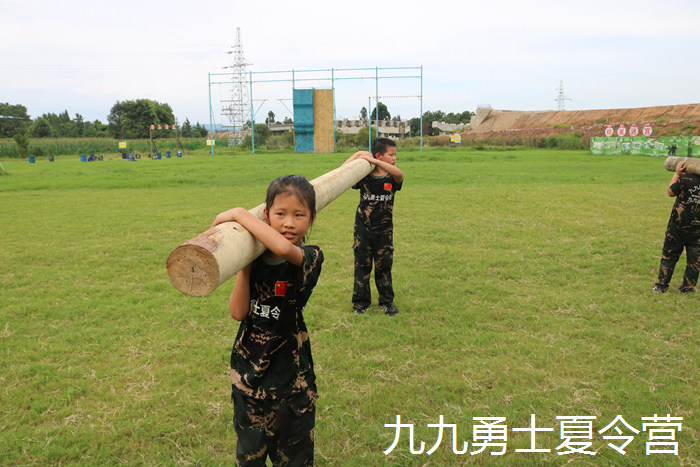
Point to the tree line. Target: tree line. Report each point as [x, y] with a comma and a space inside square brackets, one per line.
[126, 120]
[132, 119]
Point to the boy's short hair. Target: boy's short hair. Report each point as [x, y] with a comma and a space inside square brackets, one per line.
[381, 145]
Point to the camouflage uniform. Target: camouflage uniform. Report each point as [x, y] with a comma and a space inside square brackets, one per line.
[272, 375]
[683, 231]
[374, 239]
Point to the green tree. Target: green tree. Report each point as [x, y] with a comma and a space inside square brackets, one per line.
[13, 118]
[383, 112]
[96, 128]
[199, 131]
[457, 118]
[187, 129]
[414, 124]
[362, 137]
[22, 141]
[363, 113]
[262, 133]
[133, 119]
[61, 124]
[78, 126]
[41, 128]
[270, 118]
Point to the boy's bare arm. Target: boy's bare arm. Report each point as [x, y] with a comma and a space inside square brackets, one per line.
[680, 168]
[392, 170]
[356, 155]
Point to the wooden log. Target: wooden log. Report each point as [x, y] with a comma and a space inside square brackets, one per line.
[203, 263]
[691, 164]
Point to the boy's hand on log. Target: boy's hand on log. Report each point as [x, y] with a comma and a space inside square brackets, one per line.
[680, 168]
[368, 157]
[359, 155]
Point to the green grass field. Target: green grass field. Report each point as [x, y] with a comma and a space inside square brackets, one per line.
[523, 278]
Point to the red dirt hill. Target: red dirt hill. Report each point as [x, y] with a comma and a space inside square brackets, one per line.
[672, 120]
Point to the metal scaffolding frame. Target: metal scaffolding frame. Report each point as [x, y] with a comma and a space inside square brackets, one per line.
[376, 76]
[236, 108]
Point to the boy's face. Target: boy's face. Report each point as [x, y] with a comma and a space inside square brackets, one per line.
[389, 156]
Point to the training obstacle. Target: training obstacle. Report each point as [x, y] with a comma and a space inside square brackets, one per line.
[691, 164]
[203, 263]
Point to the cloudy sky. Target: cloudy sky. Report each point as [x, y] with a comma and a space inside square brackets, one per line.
[83, 56]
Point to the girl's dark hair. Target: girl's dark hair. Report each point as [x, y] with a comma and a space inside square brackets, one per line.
[294, 184]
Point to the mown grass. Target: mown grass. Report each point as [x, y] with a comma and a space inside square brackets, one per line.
[523, 278]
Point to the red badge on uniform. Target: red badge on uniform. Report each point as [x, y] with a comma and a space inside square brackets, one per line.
[387, 187]
[280, 288]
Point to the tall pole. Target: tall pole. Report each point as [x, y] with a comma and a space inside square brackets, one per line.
[333, 100]
[252, 114]
[369, 122]
[211, 122]
[421, 108]
[376, 92]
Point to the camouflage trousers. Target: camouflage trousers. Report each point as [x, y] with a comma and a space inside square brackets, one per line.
[673, 247]
[280, 428]
[378, 248]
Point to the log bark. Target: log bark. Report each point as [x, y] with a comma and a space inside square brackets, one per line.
[203, 263]
[691, 164]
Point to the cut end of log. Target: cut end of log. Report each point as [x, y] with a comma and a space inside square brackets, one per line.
[193, 270]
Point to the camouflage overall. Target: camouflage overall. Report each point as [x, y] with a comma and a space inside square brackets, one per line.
[683, 231]
[272, 375]
[374, 239]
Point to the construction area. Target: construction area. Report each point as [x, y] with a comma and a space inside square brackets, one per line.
[671, 120]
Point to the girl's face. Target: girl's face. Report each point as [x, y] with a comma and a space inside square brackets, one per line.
[290, 216]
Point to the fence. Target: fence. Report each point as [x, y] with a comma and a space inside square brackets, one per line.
[684, 146]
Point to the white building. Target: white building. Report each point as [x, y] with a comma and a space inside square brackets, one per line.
[387, 129]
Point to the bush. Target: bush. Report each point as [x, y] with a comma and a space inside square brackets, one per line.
[344, 142]
[362, 137]
[36, 150]
[565, 141]
[283, 141]
[22, 143]
[437, 141]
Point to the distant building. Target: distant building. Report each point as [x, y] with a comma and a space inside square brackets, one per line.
[279, 128]
[448, 128]
[387, 129]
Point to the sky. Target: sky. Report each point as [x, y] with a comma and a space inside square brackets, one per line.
[84, 56]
